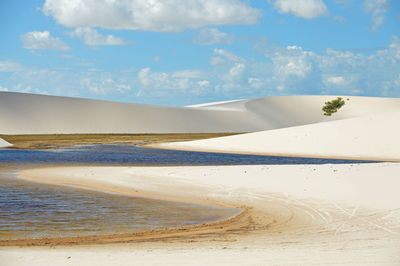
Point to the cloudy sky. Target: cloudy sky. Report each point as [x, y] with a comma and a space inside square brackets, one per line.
[181, 52]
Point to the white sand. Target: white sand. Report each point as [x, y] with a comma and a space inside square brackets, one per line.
[371, 136]
[323, 214]
[4, 144]
[22, 113]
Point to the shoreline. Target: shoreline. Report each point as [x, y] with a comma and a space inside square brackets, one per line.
[294, 212]
[239, 221]
[292, 155]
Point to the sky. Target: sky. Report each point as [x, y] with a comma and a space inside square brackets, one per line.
[183, 52]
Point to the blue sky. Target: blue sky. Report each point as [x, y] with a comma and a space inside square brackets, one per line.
[181, 52]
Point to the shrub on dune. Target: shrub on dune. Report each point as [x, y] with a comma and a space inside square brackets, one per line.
[333, 106]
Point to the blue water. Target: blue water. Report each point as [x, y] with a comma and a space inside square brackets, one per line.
[30, 210]
[134, 155]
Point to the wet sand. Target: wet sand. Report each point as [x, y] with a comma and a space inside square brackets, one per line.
[220, 217]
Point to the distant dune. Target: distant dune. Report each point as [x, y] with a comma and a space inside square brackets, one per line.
[4, 144]
[22, 113]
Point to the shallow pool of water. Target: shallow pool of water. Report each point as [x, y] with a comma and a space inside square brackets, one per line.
[134, 155]
[32, 210]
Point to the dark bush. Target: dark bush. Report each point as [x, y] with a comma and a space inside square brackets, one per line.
[332, 106]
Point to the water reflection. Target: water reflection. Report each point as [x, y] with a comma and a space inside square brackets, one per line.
[30, 210]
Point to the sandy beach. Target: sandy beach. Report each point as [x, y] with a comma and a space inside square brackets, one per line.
[314, 214]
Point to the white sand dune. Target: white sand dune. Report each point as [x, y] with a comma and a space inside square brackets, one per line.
[22, 113]
[367, 137]
[301, 215]
[4, 144]
[39, 114]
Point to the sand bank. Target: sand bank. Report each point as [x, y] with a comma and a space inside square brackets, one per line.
[300, 214]
[4, 144]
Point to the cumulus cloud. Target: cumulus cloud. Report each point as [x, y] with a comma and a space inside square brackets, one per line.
[155, 15]
[377, 8]
[212, 36]
[93, 38]
[42, 40]
[292, 62]
[295, 70]
[307, 9]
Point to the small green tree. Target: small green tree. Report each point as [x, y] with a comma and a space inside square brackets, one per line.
[332, 106]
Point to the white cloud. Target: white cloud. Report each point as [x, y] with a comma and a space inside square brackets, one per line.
[302, 8]
[10, 66]
[228, 55]
[212, 36]
[377, 8]
[155, 15]
[3, 89]
[177, 84]
[256, 83]
[28, 89]
[143, 76]
[156, 58]
[93, 38]
[236, 70]
[203, 83]
[42, 40]
[188, 74]
[335, 80]
[216, 60]
[339, 54]
[153, 79]
[291, 62]
[103, 85]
